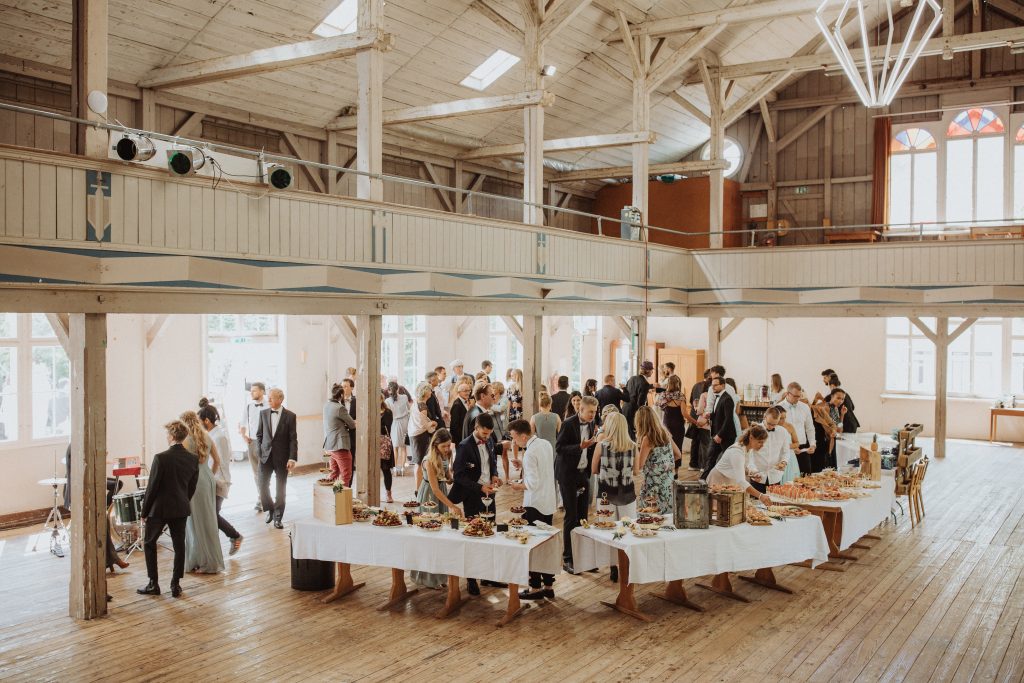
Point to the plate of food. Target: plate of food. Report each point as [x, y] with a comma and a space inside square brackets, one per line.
[604, 524]
[649, 510]
[478, 528]
[787, 511]
[757, 517]
[520, 536]
[641, 532]
[605, 512]
[361, 514]
[411, 504]
[387, 518]
[429, 505]
[325, 481]
[649, 521]
[430, 524]
[517, 510]
[725, 488]
[518, 521]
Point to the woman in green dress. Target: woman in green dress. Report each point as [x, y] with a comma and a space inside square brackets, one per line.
[657, 459]
[436, 478]
[203, 554]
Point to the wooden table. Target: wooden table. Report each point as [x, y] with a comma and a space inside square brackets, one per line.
[853, 236]
[994, 416]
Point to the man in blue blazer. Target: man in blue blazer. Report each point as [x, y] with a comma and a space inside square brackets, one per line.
[474, 475]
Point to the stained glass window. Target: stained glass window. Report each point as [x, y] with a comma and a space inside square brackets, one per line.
[975, 121]
[912, 139]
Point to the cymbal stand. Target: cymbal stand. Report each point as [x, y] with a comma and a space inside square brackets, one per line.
[55, 525]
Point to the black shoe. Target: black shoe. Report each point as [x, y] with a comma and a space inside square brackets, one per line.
[176, 590]
[549, 593]
[494, 584]
[614, 576]
[471, 587]
[259, 507]
[567, 568]
[277, 524]
[593, 571]
[536, 594]
[270, 517]
[151, 589]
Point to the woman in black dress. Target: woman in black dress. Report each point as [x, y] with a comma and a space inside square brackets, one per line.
[673, 403]
[387, 449]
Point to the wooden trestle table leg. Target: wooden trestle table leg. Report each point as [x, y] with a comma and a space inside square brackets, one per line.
[766, 577]
[343, 585]
[453, 603]
[676, 594]
[626, 601]
[723, 586]
[514, 606]
[399, 592]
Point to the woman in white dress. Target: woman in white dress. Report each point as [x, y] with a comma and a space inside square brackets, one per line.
[210, 417]
[399, 403]
[202, 543]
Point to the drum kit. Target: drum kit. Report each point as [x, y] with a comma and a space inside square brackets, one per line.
[126, 517]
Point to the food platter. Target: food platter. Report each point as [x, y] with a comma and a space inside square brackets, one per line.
[757, 517]
[478, 528]
[429, 525]
[520, 536]
[604, 524]
[518, 522]
[387, 519]
[649, 521]
[325, 481]
[780, 511]
[517, 510]
[361, 514]
[411, 504]
[641, 532]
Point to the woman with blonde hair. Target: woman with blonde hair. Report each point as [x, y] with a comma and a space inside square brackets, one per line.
[657, 459]
[614, 464]
[515, 395]
[203, 553]
[436, 478]
[778, 389]
[421, 427]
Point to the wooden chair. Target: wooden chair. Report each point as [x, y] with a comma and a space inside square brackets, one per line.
[914, 495]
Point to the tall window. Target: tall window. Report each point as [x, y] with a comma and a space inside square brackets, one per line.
[1018, 169]
[986, 360]
[35, 380]
[404, 348]
[503, 349]
[974, 167]
[913, 177]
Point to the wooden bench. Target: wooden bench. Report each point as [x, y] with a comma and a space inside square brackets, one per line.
[997, 231]
[850, 236]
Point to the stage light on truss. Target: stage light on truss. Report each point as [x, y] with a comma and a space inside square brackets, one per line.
[185, 161]
[135, 148]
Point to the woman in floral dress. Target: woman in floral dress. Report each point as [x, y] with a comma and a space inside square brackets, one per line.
[657, 458]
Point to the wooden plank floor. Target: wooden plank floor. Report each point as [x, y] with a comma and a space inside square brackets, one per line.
[943, 602]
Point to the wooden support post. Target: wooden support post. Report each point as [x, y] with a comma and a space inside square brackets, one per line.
[773, 159]
[714, 341]
[369, 115]
[533, 129]
[640, 342]
[716, 196]
[147, 107]
[826, 154]
[976, 55]
[368, 332]
[88, 356]
[533, 358]
[459, 198]
[89, 72]
[641, 150]
[333, 159]
[62, 328]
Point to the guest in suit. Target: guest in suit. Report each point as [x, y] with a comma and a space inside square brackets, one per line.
[487, 367]
[434, 410]
[279, 451]
[637, 390]
[538, 489]
[338, 430]
[609, 394]
[459, 409]
[475, 474]
[698, 444]
[173, 476]
[560, 399]
[574, 450]
[723, 428]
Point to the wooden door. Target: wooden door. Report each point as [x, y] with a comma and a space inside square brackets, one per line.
[689, 364]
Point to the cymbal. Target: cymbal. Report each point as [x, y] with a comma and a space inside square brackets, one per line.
[55, 481]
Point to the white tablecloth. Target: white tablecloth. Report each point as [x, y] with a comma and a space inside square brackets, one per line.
[686, 553]
[848, 445]
[861, 515]
[442, 552]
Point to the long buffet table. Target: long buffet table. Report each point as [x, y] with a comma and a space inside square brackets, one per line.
[679, 554]
[448, 552]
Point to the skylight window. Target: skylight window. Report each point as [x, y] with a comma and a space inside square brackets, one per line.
[342, 19]
[491, 70]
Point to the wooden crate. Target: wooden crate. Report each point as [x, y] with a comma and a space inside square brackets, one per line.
[728, 509]
[330, 506]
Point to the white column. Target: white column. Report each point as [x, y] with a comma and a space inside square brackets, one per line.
[533, 131]
[88, 585]
[533, 357]
[368, 334]
[941, 366]
[640, 340]
[641, 150]
[369, 114]
[89, 71]
[714, 341]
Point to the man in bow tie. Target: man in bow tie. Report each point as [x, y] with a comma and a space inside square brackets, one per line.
[248, 427]
[279, 451]
[766, 466]
[574, 450]
[475, 475]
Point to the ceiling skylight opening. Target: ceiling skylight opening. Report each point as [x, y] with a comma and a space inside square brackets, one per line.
[341, 20]
[491, 70]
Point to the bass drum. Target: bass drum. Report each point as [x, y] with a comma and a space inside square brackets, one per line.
[126, 508]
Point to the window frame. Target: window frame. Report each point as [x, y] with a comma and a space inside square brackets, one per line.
[399, 336]
[912, 154]
[498, 333]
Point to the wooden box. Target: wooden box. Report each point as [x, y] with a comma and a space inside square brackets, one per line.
[330, 506]
[690, 505]
[871, 462]
[728, 509]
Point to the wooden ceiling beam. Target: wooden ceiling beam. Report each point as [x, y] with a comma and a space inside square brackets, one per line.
[762, 11]
[627, 171]
[753, 95]
[804, 126]
[266, 59]
[497, 18]
[675, 61]
[1009, 8]
[563, 145]
[560, 16]
[444, 110]
[690, 107]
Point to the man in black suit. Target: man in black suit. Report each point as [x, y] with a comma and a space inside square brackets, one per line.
[637, 389]
[279, 451]
[560, 399]
[475, 474]
[574, 450]
[434, 411]
[459, 410]
[723, 426]
[172, 481]
[609, 395]
[698, 442]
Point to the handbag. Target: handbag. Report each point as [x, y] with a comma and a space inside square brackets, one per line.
[387, 449]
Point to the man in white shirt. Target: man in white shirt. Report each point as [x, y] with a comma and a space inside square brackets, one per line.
[538, 489]
[799, 415]
[247, 428]
[768, 464]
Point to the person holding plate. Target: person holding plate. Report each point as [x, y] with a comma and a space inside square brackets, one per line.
[434, 489]
[538, 487]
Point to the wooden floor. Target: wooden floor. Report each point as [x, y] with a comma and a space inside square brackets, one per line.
[940, 602]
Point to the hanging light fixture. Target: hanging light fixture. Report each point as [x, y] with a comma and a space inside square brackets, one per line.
[882, 77]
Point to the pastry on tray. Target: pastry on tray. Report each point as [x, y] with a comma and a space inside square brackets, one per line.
[517, 510]
[478, 528]
[387, 518]
[518, 521]
[430, 524]
[604, 524]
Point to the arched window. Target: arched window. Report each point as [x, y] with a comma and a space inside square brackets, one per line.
[732, 153]
[913, 177]
[974, 167]
[1018, 180]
